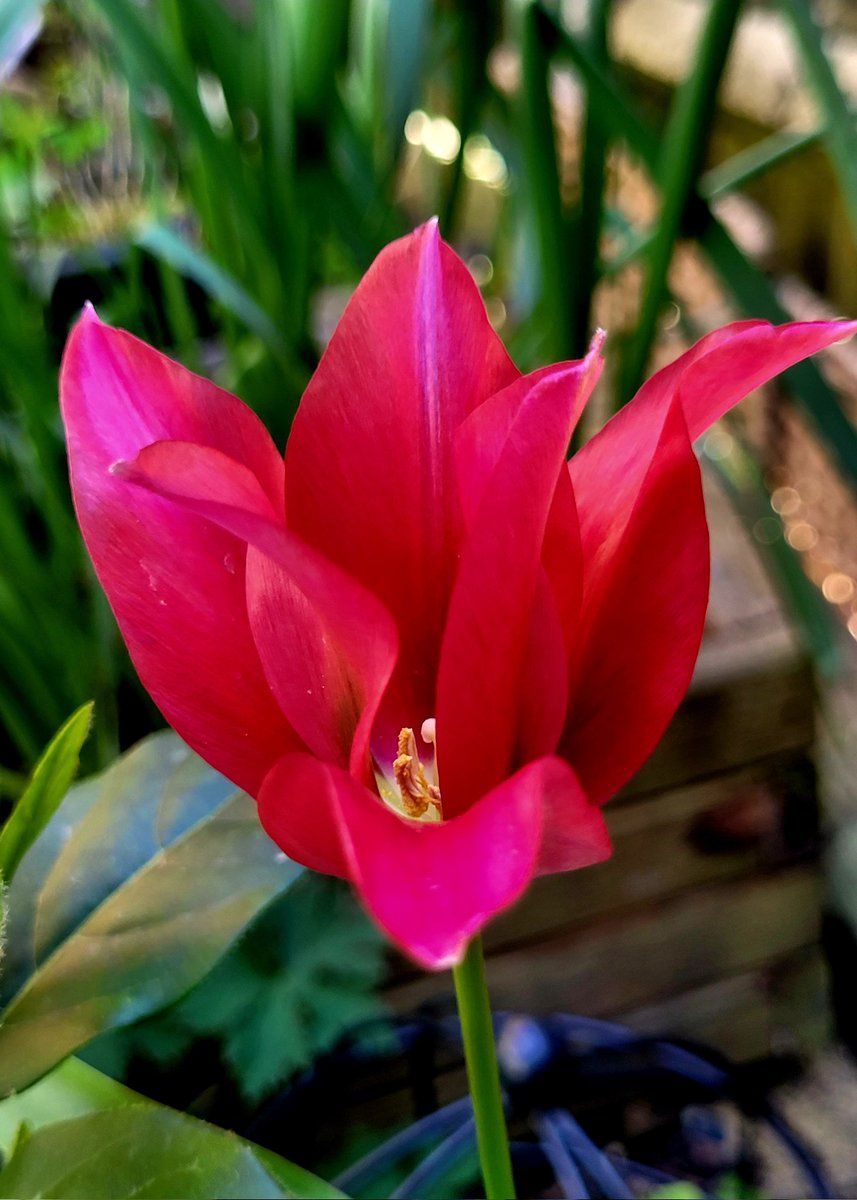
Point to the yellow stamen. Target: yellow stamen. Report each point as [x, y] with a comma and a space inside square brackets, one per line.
[418, 796]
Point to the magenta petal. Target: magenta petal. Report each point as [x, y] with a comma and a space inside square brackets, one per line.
[543, 685]
[490, 613]
[562, 559]
[174, 581]
[298, 811]
[646, 592]
[482, 438]
[724, 367]
[326, 645]
[328, 648]
[575, 833]
[369, 471]
[208, 479]
[431, 887]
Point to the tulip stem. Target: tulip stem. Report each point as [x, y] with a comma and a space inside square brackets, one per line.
[477, 1031]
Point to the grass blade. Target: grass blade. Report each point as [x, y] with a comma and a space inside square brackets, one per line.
[50, 781]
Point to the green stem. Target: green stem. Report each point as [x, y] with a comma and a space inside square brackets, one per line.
[482, 1073]
[684, 145]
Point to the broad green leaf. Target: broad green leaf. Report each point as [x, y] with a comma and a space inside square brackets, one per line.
[106, 829]
[134, 903]
[51, 780]
[149, 1151]
[71, 1090]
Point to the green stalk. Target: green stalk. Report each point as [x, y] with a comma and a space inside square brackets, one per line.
[592, 183]
[749, 286]
[690, 116]
[474, 43]
[839, 132]
[482, 1073]
[748, 164]
[538, 148]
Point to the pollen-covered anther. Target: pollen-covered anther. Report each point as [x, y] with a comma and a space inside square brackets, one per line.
[418, 795]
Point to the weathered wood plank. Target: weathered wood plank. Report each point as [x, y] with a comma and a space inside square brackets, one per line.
[781, 1006]
[625, 962]
[669, 843]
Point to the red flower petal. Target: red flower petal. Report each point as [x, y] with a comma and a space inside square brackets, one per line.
[575, 833]
[644, 544]
[369, 470]
[175, 583]
[431, 887]
[327, 646]
[643, 610]
[482, 657]
[727, 365]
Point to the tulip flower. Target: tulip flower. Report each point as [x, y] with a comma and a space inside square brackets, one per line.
[425, 642]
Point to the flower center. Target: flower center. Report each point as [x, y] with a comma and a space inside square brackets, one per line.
[415, 793]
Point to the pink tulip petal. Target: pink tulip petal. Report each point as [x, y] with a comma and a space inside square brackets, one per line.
[481, 439]
[727, 365]
[622, 529]
[326, 645]
[369, 472]
[643, 610]
[490, 612]
[432, 887]
[543, 686]
[562, 559]
[175, 582]
[209, 480]
[575, 833]
[298, 811]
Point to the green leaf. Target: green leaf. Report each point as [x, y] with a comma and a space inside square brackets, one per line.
[305, 974]
[135, 902]
[149, 1151]
[839, 130]
[107, 828]
[750, 287]
[172, 248]
[71, 1090]
[50, 781]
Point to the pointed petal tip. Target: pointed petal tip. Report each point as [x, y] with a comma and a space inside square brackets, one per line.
[88, 313]
[596, 345]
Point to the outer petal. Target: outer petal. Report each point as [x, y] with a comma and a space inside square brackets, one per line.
[369, 469]
[431, 887]
[327, 646]
[644, 544]
[482, 658]
[642, 616]
[174, 581]
[727, 365]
